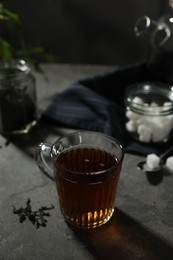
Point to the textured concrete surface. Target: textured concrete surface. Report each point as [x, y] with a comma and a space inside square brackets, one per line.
[141, 228]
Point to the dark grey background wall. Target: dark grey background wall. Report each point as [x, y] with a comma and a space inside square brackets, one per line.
[89, 31]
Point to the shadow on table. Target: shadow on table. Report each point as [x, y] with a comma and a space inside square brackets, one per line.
[40, 133]
[123, 238]
[156, 178]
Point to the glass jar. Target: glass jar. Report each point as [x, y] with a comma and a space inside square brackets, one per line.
[18, 102]
[149, 111]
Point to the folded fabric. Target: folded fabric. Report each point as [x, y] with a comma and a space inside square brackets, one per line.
[97, 104]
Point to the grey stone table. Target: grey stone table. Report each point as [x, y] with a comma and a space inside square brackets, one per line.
[141, 228]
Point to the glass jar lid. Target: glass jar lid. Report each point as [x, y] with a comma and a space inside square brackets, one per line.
[150, 98]
[14, 74]
[14, 69]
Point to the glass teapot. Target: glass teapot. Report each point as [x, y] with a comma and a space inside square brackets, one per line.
[159, 35]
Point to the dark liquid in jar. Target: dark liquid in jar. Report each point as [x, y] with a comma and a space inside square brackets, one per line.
[87, 200]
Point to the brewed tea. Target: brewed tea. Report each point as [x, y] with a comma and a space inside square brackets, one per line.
[90, 175]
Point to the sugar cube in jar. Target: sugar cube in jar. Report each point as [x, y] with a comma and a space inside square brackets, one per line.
[149, 111]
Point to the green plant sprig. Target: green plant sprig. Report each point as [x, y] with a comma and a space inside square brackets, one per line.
[11, 21]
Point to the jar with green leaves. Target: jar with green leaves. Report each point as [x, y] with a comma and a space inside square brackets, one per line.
[18, 101]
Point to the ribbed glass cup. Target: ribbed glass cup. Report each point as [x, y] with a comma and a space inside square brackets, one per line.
[86, 166]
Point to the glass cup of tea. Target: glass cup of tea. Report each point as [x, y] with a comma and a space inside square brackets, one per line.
[86, 167]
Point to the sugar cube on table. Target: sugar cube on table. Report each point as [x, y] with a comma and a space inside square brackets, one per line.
[152, 161]
[169, 163]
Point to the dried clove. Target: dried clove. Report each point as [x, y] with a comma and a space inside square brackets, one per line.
[37, 218]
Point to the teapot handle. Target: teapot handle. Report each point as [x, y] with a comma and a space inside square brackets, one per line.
[43, 150]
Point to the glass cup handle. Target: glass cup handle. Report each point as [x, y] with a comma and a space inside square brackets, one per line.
[41, 151]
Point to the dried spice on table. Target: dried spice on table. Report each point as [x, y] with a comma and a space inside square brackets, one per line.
[37, 218]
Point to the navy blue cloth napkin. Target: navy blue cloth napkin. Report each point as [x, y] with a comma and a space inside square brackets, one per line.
[97, 104]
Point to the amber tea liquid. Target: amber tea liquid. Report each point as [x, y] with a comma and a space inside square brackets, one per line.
[86, 180]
